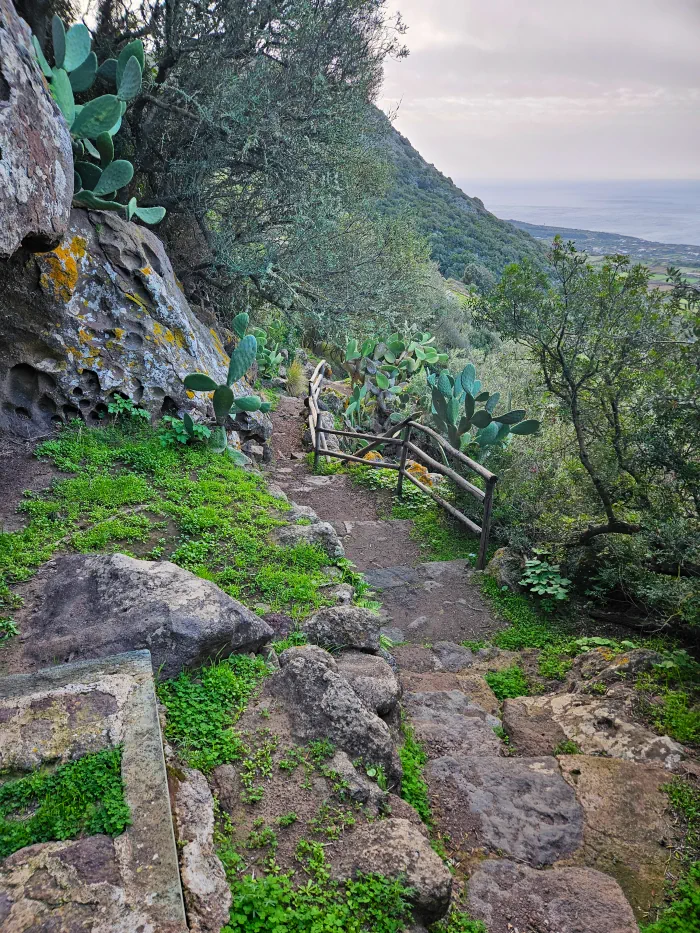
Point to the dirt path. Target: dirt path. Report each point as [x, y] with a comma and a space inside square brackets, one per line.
[422, 601]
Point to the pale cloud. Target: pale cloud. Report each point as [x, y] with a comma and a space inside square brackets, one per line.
[504, 88]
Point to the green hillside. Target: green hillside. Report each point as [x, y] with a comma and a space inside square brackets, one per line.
[458, 227]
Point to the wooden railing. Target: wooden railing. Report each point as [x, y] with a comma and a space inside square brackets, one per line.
[404, 446]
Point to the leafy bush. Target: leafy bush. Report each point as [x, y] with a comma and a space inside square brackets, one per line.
[545, 579]
[123, 409]
[683, 914]
[174, 431]
[508, 683]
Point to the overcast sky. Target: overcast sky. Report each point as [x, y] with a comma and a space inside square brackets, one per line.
[545, 89]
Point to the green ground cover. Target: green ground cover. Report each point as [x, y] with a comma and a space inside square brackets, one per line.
[82, 797]
[124, 491]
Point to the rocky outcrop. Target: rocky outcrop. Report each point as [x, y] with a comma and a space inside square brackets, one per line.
[536, 725]
[36, 163]
[395, 848]
[207, 894]
[568, 900]
[447, 723]
[506, 567]
[452, 657]
[101, 314]
[372, 679]
[344, 627]
[89, 606]
[321, 704]
[521, 807]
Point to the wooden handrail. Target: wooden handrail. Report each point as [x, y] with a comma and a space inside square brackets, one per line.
[407, 425]
[441, 468]
[472, 464]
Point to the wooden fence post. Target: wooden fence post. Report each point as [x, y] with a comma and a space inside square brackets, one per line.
[317, 441]
[402, 466]
[486, 524]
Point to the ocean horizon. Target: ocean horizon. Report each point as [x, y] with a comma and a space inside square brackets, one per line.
[662, 211]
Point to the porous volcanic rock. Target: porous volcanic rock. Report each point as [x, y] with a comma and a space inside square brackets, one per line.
[628, 826]
[596, 725]
[447, 723]
[508, 896]
[94, 605]
[521, 807]
[344, 627]
[453, 657]
[321, 704]
[36, 163]
[506, 567]
[320, 534]
[396, 848]
[102, 314]
[372, 679]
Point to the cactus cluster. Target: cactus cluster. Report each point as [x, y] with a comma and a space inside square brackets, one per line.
[380, 368]
[94, 124]
[223, 399]
[269, 357]
[454, 408]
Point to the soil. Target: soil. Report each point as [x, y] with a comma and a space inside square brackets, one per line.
[19, 471]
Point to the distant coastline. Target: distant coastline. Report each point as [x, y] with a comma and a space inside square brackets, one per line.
[599, 243]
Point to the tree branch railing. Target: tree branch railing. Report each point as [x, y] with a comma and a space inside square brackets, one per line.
[405, 445]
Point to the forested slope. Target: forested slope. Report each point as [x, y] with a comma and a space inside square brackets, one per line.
[458, 227]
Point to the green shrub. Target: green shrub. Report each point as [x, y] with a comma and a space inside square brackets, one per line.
[414, 789]
[683, 914]
[508, 683]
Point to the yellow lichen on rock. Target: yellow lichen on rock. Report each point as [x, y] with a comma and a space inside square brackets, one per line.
[60, 268]
[419, 472]
[373, 455]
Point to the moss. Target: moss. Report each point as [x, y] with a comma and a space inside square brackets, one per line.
[198, 510]
[81, 797]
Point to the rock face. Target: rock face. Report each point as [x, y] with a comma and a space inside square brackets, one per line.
[344, 627]
[101, 314]
[452, 657]
[396, 848]
[518, 806]
[322, 704]
[207, 894]
[627, 824]
[507, 896]
[372, 679]
[36, 163]
[447, 723]
[537, 724]
[88, 606]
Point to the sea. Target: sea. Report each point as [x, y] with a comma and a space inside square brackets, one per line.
[663, 211]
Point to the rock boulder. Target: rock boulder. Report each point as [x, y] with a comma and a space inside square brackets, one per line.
[344, 627]
[507, 896]
[36, 162]
[94, 605]
[372, 679]
[101, 314]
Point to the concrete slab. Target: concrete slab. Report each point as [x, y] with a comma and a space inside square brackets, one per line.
[97, 884]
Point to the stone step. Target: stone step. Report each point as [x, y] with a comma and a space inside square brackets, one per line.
[521, 808]
[431, 602]
[447, 722]
[377, 544]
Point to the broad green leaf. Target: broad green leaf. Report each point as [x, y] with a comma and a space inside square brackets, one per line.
[130, 82]
[115, 176]
[223, 399]
[481, 418]
[77, 46]
[248, 403]
[104, 145]
[62, 93]
[150, 215]
[108, 70]
[242, 357]
[218, 441]
[83, 77]
[240, 324]
[97, 116]
[189, 423]
[89, 174]
[40, 57]
[134, 48]
[469, 405]
[526, 427]
[200, 382]
[492, 402]
[238, 457]
[382, 380]
[511, 417]
[130, 208]
[58, 35]
[90, 200]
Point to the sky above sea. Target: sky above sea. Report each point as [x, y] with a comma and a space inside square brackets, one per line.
[664, 211]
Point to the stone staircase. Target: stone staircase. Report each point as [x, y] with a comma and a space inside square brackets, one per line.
[519, 829]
